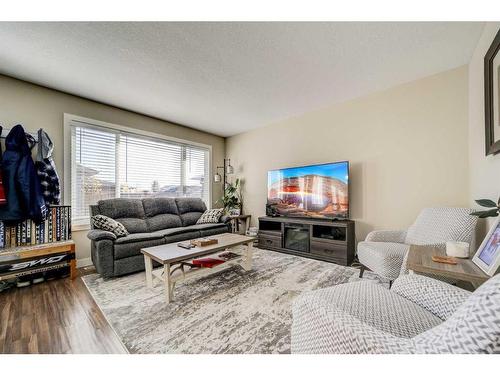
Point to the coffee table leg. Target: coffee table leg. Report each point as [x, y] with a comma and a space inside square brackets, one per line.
[168, 283]
[148, 262]
[247, 224]
[247, 263]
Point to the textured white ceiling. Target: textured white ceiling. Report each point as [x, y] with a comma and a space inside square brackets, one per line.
[227, 78]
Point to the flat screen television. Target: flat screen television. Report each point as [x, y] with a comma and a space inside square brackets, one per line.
[316, 191]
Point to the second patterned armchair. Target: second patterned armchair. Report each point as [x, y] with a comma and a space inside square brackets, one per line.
[418, 315]
[385, 252]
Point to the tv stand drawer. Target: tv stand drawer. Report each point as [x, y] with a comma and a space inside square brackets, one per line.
[266, 241]
[330, 250]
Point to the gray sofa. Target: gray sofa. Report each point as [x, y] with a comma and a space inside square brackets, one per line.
[150, 222]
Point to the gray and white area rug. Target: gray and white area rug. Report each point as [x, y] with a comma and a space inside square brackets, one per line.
[228, 312]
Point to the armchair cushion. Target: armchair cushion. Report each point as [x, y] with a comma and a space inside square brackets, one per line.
[359, 317]
[440, 224]
[439, 298]
[397, 236]
[385, 258]
[376, 306]
[473, 328]
[324, 322]
[323, 330]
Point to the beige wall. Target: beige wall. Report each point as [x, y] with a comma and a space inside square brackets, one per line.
[484, 170]
[37, 107]
[407, 147]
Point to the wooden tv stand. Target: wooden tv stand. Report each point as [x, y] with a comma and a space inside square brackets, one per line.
[331, 241]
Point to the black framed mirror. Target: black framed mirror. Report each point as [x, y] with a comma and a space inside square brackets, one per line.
[492, 97]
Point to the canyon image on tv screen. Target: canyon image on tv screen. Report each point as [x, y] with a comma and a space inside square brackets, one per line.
[317, 191]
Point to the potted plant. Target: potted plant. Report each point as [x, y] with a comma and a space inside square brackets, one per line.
[232, 198]
[493, 208]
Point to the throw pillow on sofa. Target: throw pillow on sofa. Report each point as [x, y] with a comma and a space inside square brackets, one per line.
[109, 225]
[210, 216]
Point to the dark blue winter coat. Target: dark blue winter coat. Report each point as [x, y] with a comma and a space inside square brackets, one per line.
[22, 187]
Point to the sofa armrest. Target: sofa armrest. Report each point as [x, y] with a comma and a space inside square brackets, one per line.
[319, 328]
[398, 236]
[102, 253]
[438, 297]
[225, 219]
[99, 234]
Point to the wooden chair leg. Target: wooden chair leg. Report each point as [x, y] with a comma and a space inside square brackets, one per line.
[361, 271]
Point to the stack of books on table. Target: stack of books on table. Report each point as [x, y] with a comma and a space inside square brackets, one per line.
[57, 227]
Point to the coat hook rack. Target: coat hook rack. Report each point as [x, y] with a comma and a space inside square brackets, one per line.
[6, 131]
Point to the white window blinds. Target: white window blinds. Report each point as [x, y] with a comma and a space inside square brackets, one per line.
[106, 163]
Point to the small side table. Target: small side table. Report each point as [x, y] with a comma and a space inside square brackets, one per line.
[420, 260]
[236, 221]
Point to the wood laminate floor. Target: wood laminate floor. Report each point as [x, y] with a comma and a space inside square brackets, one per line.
[57, 316]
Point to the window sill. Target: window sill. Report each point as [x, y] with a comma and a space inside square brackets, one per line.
[80, 227]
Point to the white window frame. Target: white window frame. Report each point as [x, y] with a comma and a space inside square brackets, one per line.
[69, 118]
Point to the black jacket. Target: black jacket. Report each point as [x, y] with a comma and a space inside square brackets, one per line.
[22, 187]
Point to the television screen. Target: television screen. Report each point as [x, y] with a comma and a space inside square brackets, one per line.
[317, 191]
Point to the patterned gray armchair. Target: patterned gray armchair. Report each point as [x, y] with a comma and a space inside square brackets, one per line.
[418, 315]
[384, 251]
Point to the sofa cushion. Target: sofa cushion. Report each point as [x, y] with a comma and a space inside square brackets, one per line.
[129, 212]
[209, 229]
[108, 224]
[104, 223]
[157, 206]
[210, 216]
[168, 232]
[133, 225]
[161, 213]
[163, 221]
[121, 207]
[124, 250]
[190, 218]
[190, 205]
[172, 231]
[135, 237]
[206, 226]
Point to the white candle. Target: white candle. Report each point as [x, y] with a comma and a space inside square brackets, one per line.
[457, 249]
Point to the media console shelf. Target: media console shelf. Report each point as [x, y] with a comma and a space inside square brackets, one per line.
[331, 241]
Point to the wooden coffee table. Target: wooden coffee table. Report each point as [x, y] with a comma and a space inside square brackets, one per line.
[420, 260]
[171, 255]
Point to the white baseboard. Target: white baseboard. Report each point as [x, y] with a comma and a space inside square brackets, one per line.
[83, 262]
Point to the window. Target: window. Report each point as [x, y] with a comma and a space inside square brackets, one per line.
[109, 162]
